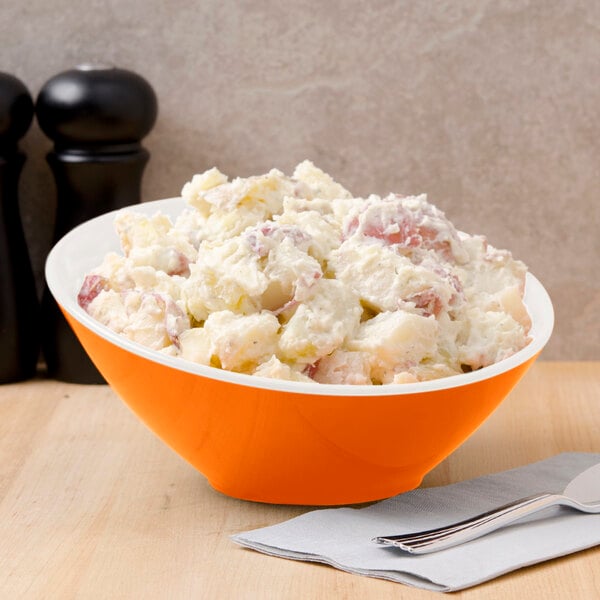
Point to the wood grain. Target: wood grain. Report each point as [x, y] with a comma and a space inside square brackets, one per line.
[92, 505]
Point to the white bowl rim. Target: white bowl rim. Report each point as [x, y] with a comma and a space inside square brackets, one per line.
[64, 291]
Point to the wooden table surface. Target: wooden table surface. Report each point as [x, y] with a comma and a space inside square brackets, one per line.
[92, 505]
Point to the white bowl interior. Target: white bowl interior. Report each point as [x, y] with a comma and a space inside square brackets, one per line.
[83, 248]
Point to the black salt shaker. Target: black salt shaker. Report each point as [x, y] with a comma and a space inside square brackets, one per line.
[96, 117]
[19, 322]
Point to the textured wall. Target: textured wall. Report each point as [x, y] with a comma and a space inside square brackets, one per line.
[490, 107]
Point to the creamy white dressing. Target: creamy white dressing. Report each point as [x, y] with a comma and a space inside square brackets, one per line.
[294, 278]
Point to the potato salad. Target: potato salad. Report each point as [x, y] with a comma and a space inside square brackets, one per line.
[292, 277]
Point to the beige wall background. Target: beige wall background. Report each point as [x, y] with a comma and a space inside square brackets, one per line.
[491, 107]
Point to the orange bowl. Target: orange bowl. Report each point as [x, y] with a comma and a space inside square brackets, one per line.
[279, 441]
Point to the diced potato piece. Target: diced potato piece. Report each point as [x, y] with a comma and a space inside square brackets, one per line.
[195, 346]
[512, 303]
[226, 277]
[396, 338]
[240, 342]
[329, 316]
[193, 190]
[275, 369]
[344, 367]
[490, 337]
[322, 184]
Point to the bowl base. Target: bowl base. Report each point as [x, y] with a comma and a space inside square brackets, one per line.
[314, 498]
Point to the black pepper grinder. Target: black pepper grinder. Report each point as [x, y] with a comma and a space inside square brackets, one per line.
[96, 116]
[19, 327]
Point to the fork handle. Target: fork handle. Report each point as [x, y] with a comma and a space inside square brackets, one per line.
[469, 529]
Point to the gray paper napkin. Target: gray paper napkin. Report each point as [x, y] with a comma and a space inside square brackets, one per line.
[341, 537]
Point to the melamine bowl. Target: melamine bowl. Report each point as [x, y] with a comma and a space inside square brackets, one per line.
[282, 441]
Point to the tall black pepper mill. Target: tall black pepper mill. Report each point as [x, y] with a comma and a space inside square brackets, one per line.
[19, 317]
[96, 117]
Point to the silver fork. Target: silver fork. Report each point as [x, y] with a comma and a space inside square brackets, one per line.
[582, 494]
